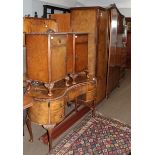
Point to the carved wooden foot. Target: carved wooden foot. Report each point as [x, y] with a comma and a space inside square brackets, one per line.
[73, 76]
[49, 129]
[49, 86]
[87, 74]
[28, 87]
[28, 123]
[67, 80]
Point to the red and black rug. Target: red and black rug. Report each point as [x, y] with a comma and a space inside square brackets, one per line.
[96, 136]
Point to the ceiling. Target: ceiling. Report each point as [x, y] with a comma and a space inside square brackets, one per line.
[80, 3]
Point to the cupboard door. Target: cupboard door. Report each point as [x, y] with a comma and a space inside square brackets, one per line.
[102, 54]
[37, 57]
[69, 57]
[84, 20]
[63, 21]
[81, 53]
[58, 57]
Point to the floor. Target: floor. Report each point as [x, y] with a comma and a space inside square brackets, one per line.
[118, 106]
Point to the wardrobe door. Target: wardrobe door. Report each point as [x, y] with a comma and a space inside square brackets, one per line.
[102, 55]
[58, 56]
[85, 20]
[37, 57]
[113, 69]
[113, 37]
[81, 53]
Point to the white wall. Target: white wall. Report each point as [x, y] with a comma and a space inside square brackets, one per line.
[37, 6]
[125, 11]
[31, 6]
[27, 7]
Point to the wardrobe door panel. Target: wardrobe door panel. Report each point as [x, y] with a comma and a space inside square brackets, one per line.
[102, 54]
[37, 57]
[81, 53]
[85, 20]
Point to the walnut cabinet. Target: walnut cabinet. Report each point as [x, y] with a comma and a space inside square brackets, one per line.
[52, 57]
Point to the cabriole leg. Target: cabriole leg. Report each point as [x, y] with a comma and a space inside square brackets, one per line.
[28, 123]
[49, 129]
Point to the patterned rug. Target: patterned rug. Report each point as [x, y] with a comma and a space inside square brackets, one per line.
[96, 136]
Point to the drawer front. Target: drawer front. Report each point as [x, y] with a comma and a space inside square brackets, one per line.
[90, 86]
[57, 116]
[39, 113]
[57, 105]
[58, 40]
[73, 93]
[82, 89]
[90, 95]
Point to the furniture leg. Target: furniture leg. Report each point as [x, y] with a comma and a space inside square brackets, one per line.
[49, 129]
[87, 74]
[28, 123]
[93, 108]
[49, 132]
[28, 87]
[76, 108]
[73, 76]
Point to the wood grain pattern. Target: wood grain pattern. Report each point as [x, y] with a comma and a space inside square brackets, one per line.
[51, 110]
[39, 24]
[85, 21]
[44, 65]
[94, 20]
[27, 101]
[37, 57]
[63, 21]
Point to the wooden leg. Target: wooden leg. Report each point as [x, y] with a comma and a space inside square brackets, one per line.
[49, 129]
[74, 82]
[28, 123]
[87, 74]
[76, 107]
[93, 108]
[49, 132]
[73, 76]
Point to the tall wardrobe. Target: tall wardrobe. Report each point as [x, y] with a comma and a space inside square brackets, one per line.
[94, 20]
[106, 52]
[116, 51]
